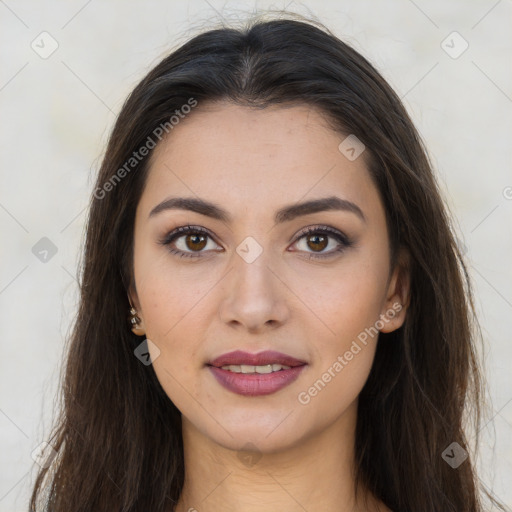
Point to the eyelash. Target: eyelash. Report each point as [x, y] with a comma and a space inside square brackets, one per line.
[342, 239]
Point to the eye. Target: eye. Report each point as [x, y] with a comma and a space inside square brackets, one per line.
[189, 241]
[319, 238]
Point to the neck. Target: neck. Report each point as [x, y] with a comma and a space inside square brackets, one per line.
[314, 474]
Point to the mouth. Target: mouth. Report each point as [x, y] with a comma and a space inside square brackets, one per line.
[255, 374]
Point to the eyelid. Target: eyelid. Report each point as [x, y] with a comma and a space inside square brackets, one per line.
[315, 228]
[185, 230]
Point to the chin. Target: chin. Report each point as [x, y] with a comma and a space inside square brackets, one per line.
[266, 434]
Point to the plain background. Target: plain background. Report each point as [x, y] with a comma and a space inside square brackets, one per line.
[57, 112]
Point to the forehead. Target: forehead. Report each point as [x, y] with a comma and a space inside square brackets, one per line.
[256, 158]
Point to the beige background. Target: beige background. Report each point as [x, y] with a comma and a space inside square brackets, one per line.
[56, 113]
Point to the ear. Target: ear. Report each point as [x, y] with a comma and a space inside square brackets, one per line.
[398, 294]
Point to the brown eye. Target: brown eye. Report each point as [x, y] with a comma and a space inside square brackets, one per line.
[317, 242]
[322, 242]
[195, 242]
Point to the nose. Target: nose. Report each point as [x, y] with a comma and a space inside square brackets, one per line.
[254, 296]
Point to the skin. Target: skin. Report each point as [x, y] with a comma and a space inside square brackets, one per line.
[252, 163]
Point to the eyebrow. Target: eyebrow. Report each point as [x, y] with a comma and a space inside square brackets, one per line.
[284, 214]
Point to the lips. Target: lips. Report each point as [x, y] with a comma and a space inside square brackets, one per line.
[239, 357]
[255, 383]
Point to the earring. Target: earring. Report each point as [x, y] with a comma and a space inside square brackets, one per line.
[134, 322]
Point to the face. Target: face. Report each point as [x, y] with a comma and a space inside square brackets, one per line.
[261, 272]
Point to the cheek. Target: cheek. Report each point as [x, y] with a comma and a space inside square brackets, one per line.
[169, 293]
[171, 306]
[343, 300]
[342, 331]
[179, 338]
[344, 352]
[173, 322]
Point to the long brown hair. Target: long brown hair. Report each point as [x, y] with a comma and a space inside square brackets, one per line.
[118, 437]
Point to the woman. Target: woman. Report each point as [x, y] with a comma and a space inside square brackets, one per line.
[300, 324]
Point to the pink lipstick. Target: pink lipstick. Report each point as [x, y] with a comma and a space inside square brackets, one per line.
[255, 374]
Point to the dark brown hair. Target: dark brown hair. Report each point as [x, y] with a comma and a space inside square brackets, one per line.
[118, 437]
